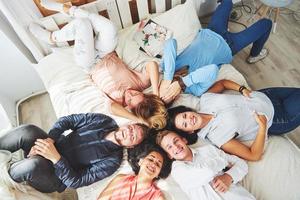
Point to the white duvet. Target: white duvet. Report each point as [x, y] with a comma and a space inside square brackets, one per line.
[276, 176]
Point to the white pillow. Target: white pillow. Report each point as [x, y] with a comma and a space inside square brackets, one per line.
[182, 20]
[71, 89]
[277, 175]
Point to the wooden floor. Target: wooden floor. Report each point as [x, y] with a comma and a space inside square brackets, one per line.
[280, 68]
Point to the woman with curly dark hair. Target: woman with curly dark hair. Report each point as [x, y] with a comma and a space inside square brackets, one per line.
[149, 163]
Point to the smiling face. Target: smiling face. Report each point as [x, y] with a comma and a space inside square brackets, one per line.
[133, 98]
[151, 165]
[175, 146]
[130, 135]
[188, 121]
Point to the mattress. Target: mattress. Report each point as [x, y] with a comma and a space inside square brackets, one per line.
[71, 90]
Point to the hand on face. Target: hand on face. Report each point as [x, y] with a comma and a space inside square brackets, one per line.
[222, 183]
[46, 148]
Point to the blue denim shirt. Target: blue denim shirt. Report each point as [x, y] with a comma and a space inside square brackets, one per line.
[207, 52]
[86, 156]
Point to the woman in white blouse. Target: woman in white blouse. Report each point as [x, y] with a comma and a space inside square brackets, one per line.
[228, 120]
[204, 172]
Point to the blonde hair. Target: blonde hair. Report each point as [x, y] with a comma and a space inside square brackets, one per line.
[161, 135]
[152, 109]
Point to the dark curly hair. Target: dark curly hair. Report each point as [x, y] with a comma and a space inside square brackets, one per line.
[172, 113]
[141, 151]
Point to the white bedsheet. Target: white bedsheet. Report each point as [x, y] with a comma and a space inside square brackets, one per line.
[71, 90]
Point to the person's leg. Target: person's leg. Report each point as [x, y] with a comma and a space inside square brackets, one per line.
[286, 107]
[22, 137]
[38, 172]
[219, 20]
[257, 34]
[106, 34]
[81, 31]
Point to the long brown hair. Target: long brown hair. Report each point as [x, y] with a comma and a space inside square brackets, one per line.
[152, 109]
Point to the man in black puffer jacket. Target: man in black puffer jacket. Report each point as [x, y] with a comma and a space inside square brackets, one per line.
[91, 151]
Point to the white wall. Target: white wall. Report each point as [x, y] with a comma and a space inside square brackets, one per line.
[9, 106]
[17, 78]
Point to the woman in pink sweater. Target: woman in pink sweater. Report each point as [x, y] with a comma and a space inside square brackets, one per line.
[123, 86]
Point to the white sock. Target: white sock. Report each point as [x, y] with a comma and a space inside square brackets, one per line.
[40, 32]
[52, 5]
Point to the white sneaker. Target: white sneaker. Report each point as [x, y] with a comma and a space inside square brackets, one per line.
[263, 53]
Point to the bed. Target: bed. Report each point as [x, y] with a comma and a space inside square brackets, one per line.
[71, 90]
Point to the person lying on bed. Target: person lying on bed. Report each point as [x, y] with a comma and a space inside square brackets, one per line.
[121, 84]
[227, 120]
[211, 48]
[92, 151]
[204, 172]
[149, 163]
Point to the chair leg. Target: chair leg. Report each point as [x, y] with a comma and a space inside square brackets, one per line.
[275, 20]
[256, 13]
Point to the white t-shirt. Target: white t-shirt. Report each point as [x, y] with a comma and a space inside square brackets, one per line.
[194, 177]
[233, 116]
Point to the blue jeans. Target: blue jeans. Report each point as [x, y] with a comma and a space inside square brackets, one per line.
[257, 34]
[286, 102]
[36, 170]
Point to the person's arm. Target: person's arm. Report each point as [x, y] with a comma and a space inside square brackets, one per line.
[168, 65]
[237, 170]
[119, 110]
[223, 84]
[77, 178]
[75, 122]
[198, 81]
[153, 73]
[253, 153]
[112, 185]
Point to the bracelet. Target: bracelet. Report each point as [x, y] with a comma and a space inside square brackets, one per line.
[241, 89]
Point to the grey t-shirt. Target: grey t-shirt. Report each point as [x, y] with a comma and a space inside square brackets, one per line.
[233, 116]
